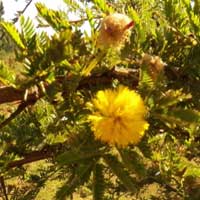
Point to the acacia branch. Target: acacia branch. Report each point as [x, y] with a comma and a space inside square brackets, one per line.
[10, 94]
[51, 151]
[48, 151]
[32, 157]
[30, 100]
[20, 108]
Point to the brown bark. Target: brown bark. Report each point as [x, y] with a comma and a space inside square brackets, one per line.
[32, 157]
[46, 152]
[9, 94]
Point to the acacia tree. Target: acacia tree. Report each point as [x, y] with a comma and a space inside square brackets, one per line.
[55, 107]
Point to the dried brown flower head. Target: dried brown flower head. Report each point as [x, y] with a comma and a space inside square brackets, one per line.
[154, 63]
[114, 30]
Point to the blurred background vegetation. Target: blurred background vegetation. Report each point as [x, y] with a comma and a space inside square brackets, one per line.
[47, 149]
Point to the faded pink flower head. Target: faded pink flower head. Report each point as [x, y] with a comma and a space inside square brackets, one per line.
[114, 30]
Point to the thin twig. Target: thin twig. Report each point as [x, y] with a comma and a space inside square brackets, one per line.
[20, 108]
[22, 11]
[82, 20]
[70, 22]
[3, 187]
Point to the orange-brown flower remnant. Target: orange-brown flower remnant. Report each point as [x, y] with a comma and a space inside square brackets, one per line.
[154, 64]
[114, 30]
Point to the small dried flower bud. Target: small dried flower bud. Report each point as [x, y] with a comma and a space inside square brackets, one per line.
[114, 30]
[154, 65]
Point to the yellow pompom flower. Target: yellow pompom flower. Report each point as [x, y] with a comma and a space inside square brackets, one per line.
[118, 116]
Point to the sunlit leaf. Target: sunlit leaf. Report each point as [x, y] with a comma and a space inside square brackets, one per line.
[13, 33]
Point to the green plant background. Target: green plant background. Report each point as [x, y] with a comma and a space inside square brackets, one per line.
[48, 128]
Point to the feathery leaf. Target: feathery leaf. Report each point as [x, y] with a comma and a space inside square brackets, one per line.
[13, 33]
[98, 182]
[120, 171]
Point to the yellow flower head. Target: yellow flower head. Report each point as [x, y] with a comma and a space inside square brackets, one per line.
[118, 116]
[114, 30]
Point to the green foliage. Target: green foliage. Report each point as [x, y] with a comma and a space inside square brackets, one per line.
[103, 6]
[6, 75]
[13, 33]
[119, 170]
[71, 157]
[28, 30]
[185, 115]
[98, 182]
[134, 161]
[80, 176]
[56, 19]
[53, 80]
